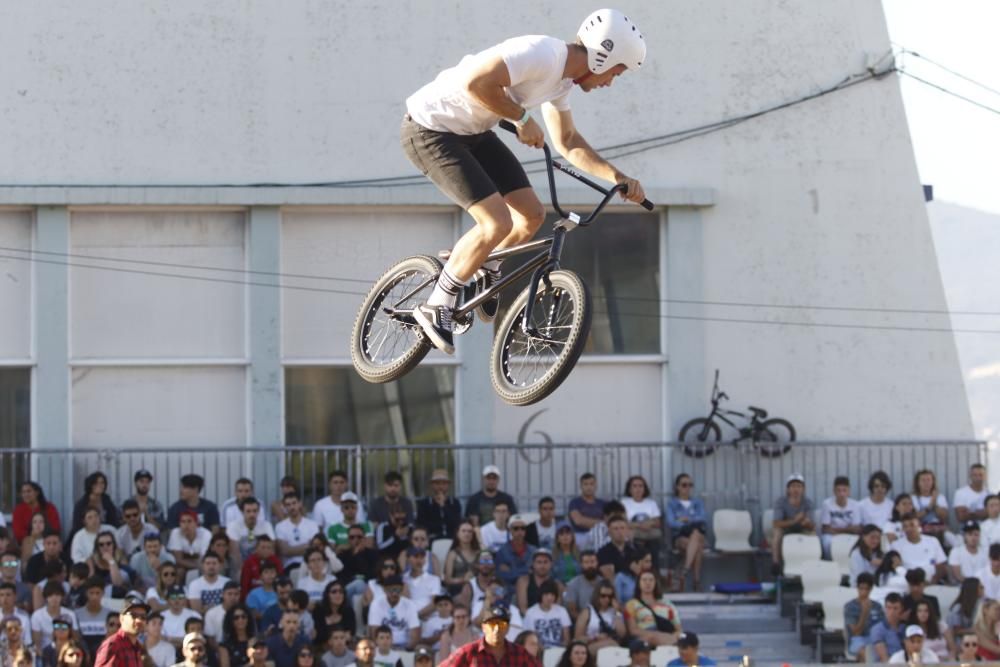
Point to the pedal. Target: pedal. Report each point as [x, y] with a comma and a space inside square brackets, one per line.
[401, 316]
[460, 325]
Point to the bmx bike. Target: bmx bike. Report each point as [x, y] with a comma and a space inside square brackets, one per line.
[538, 340]
[769, 437]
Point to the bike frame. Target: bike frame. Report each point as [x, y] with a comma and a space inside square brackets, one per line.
[544, 262]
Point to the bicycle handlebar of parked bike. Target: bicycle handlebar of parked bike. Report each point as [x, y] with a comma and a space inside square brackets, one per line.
[551, 164]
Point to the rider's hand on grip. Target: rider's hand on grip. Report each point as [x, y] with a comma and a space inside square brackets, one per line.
[531, 134]
[633, 189]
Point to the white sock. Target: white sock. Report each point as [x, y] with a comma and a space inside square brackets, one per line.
[446, 290]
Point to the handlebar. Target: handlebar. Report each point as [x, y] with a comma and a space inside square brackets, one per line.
[551, 164]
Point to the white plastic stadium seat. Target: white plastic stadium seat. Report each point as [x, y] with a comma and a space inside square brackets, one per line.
[662, 655]
[834, 600]
[613, 656]
[946, 596]
[797, 549]
[817, 577]
[440, 549]
[406, 657]
[732, 530]
[552, 656]
[840, 552]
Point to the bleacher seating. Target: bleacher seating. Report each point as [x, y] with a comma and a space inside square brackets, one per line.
[406, 657]
[662, 655]
[797, 549]
[552, 656]
[818, 576]
[613, 656]
[732, 530]
[766, 521]
[440, 549]
[946, 596]
[840, 552]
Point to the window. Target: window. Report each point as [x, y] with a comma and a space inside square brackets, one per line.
[15, 432]
[333, 406]
[619, 260]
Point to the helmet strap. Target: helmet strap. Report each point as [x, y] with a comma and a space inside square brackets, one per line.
[580, 79]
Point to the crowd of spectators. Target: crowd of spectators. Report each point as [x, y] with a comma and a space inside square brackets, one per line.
[258, 583]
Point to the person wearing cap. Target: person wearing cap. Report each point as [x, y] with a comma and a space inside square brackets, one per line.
[494, 643]
[687, 647]
[639, 653]
[840, 514]
[970, 557]
[423, 586]
[493, 534]
[793, 513]
[131, 533]
[231, 511]
[914, 651]
[514, 557]
[176, 615]
[123, 649]
[439, 512]
[194, 649]
[349, 510]
[188, 543]
[151, 509]
[528, 587]
[328, 510]
[423, 656]
[479, 508]
[381, 508]
[474, 592]
[397, 612]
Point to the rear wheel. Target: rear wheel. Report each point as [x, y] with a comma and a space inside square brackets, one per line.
[774, 438]
[385, 347]
[700, 436]
[525, 369]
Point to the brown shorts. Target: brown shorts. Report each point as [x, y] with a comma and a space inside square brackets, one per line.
[466, 168]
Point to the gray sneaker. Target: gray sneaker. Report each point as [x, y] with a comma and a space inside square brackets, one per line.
[485, 279]
[435, 321]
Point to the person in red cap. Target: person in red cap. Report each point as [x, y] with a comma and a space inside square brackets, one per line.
[122, 649]
[493, 648]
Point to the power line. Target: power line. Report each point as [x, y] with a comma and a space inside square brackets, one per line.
[950, 92]
[278, 274]
[903, 49]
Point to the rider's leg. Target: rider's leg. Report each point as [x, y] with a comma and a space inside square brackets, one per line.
[493, 226]
[527, 214]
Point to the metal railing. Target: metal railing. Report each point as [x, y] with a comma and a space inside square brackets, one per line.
[729, 478]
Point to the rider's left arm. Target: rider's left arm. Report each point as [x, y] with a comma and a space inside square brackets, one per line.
[579, 153]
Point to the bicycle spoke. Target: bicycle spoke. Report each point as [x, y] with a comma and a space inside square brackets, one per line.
[529, 358]
[387, 339]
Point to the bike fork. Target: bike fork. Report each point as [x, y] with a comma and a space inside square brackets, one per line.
[542, 274]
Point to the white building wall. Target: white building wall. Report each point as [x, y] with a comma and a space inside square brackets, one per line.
[817, 207]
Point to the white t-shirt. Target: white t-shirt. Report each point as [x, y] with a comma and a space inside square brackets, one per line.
[877, 514]
[989, 531]
[921, 503]
[173, 624]
[990, 582]
[197, 547]
[230, 512]
[41, 622]
[535, 64]
[432, 626]
[312, 587]
[130, 544]
[835, 516]
[547, 536]
[237, 531]
[295, 535]
[208, 593]
[970, 564]
[402, 618]
[492, 537]
[82, 545]
[640, 511]
[213, 622]
[548, 625]
[926, 553]
[422, 588]
[927, 657]
[163, 654]
[969, 499]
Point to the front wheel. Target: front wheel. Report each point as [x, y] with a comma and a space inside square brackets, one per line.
[386, 347]
[700, 437]
[527, 368]
[774, 438]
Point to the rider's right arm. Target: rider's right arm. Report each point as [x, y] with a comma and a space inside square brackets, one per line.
[485, 82]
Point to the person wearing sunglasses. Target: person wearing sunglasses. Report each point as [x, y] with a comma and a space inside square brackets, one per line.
[238, 629]
[132, 533]
[305, 657]
[71, 655]
[122, 649]
[397, 612]
[688, 525]
[967, 648]
[504, 653]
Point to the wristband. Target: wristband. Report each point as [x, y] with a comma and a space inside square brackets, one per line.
[521, 122]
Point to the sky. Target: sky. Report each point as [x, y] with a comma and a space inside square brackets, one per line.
[957, 145]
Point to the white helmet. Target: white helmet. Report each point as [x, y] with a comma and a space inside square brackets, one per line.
[611, 39]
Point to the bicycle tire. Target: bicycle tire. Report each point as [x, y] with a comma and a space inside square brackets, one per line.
[707, 437]
[409, 344]
[778, 436]
[512, 380]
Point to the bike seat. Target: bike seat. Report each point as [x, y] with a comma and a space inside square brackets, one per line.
[760, 413]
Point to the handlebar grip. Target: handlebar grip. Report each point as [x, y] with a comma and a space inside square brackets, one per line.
[509, 126]
[646, 204]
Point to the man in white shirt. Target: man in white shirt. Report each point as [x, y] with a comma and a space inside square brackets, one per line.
[494, 534]
[243, 532]
[454, 115]
[423, 585]
[919, 550]
[989, 576]
[217, 614]
[327, 511]
[294, 532]
[130, 535]
[397, 612]
[840, 515]
[188, 542]
[970, 500]
[989, 527]
[230, 510]
[913, 646]
[176, 615]
[968, 559]
[206, 591]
